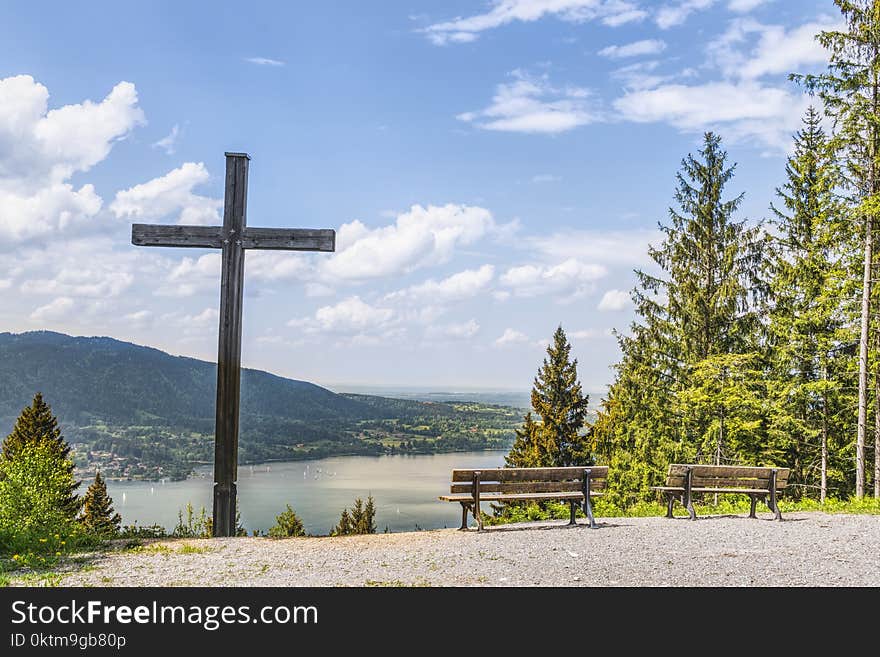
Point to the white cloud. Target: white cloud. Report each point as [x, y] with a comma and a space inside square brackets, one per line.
[777, 51]
[55, 310]
[624, 247]
[264, 61]
[744, 6]
[94, 280]
[503, 12]
[743, 110]
[462, 331]
[422, 237]
[571, 278]
[168, 143]
[168, 195]
[351, 316]
[208, 316]
[511, 336]
[139, 318]
[590, 334]
[672, 15]
[5, 283]
[545, 178]
[463, 285]
[40, 149]
[529, 104]
[634, 49]
[614, 300]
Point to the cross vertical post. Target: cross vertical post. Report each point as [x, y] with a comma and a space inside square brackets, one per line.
[233, 238]
[229, 345]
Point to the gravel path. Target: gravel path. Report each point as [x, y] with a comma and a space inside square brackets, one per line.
[807, 549]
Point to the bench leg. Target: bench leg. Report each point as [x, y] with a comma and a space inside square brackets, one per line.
[478, 517]
[670, 500]
[464, 512]
[773, 505]
[588, 511]
[572, 505]
[754, 504]
[689, 505]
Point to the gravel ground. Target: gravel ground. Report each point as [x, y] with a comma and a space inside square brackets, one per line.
[807, 549]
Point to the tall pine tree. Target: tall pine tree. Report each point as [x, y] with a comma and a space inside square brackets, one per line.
[557, 398]
[700, 308]
[809, 285]
[851, 92]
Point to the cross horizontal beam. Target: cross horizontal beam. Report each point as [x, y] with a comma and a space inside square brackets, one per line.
[212, 237]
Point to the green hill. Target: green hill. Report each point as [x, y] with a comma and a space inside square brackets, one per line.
[140, 412]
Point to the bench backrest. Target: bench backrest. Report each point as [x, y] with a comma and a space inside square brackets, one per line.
[732, 476]
[529, 480]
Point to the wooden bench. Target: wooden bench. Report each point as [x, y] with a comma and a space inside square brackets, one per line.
[575, 485]
[684, 480]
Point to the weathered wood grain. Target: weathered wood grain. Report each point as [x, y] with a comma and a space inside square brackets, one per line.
[532, 474]
[289, 239]
[197, 237]
[527, 487]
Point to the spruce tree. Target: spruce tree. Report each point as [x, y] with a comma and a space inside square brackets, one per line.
[558, 400]
[98, 516]
[851, 93]
[37, 426]
[809, 289]
[699, 308]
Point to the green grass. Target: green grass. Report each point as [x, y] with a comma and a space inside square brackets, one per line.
[727, 505]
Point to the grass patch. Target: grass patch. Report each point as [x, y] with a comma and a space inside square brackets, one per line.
[727, 505]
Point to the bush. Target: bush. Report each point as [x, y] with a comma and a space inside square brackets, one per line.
[195, 526]
[35, 516]
[286, 525]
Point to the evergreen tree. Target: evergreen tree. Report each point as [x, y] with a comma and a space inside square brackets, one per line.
[37, 426]
[98, 516]
[851, 92]
[287, 524]
[700, 308]
[809, 285]
[344, 528]
[557, 398]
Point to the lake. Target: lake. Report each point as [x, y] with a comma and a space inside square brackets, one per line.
[404, 489]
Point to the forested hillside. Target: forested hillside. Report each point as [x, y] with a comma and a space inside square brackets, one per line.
[138, 411]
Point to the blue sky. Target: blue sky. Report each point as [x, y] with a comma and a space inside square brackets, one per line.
[493, 169]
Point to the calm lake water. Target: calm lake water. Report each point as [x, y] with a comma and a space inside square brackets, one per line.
[404, 489]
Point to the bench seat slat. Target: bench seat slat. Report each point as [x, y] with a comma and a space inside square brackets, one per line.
[718, 482]
[530, 474]
[528, 487]
[700, 470]
[513, 497]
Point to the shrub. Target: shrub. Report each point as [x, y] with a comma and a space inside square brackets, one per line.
[287, 524]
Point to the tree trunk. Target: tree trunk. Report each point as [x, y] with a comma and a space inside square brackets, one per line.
[823, 491]
[863, 359]
[877, 431]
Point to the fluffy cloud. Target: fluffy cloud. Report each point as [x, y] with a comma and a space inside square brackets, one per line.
[613, 300]
[744, 6]
[40, 149]
[529, 104]
[511, 336]
[627, 248]
[635, 49]
[351, 316]
[463, 285]
[570, 278]
[776, 51]
[419, 238]
[464, 30]
[745, 110]
[676, 14]
[168, 195]
[94, 280]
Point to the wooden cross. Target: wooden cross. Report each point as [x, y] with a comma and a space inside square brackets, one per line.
[233, 238]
